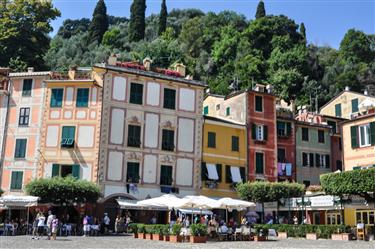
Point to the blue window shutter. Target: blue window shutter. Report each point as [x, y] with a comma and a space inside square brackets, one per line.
[55, 170]
[56, 97]
[205, 110]
[76, 170]
[82, 97]
[354, 105]
[338, 110]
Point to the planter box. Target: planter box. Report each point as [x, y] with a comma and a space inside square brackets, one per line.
[198, 239]
[311, 236]
[135, 235]
[260, 238]
[346, 236]
[157, 237]
[175, 238]
[166, 237]
[282, 235]
[148, 236]
[142, 236]
[336, 236]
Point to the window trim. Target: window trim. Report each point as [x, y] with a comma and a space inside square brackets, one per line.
[367, 135]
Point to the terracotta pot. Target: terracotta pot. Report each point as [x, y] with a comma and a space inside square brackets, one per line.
[166, 237]
[149, 236]
[142, 235]
[157, 237]
[135, 235]
[260, 238]
[198, 239]
[311, 236]
[282, 235]
[336, 236]
[175, 238]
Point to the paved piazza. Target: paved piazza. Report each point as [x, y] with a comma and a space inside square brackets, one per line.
[129, 242]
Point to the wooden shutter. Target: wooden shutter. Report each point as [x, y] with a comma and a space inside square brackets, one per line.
[205, 110]
[16, 180]
[354, 136]
[228, 176]
[219, 173]
[76, 171]
[354, 105]
[311, 159]
[265, 132]
[317, 160]
[203, 171]
[259, 163]
[253, 131]
[55, 170]
[328, 162]
[372, 133]
[288, 129]
[338, 110]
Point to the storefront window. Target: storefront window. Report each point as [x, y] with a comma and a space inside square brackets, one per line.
[359, 217]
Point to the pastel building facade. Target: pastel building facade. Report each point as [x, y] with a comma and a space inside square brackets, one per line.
[71, 125]
[4, 98]
[23, 130]
[151, 133]
[224, 157]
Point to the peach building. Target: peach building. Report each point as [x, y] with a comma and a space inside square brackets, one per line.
[22, 133]
[4, 97]
[71, 125]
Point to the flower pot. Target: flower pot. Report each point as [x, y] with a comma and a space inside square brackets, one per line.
[149, 236]
[135, 235]
[157, 237]
[142, 236]
[166, 237]
[336, 236]
[311, 236]
[198, 239]
[260, 238]
[282, 235]
[175, 238]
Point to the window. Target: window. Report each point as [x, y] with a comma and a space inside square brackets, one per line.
[258, 103]
[333, 126]
[136, 93]
[26, 88]
[20, 151]
[364, 138]
[56, 97]
[68, 136]
[259, 163]
[166, 175]
[235, 143]
[66, 170]
[167, 140]
[338, 110]
[134, 136]
[321, 136]
[82, 97]
[354, 105]
[217, 107]
[281, 155]
[305, 159]
[339, 165]
[23, 119]
[284, 129]
[305, 134]
[311, 159]
[132, 172]
[227, 111]
[205, 110]
[259, 132]
[16, 181]
[169, 98]
[211, 140]
[228, 174]
[306, 183]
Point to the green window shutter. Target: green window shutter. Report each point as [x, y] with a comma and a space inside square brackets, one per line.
[259, 164]
[136, 93]
[166, 175]
[68, 136]
[253, 131]
[56, 97]
[328, 161]
[265, 132]
[76, 171]
[20, 150]
[338, 110]
[243, 173]
[235, 143]
[211, 140]
[317, 160]
[219, 173]
[354, 105]
[227, 111]
[204, 172]
[304, 159]
[228, 176]
[134, 135]
[169, 98]
[16, 180]
[258, 103]
[82, 97]
[55, 170]
[372, 133]
[205, 110]
[132, 172]
[288, 129]
[311, 161]
[354, 136]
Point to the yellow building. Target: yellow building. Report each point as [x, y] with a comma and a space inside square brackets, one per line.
[347, 104]
[224, 157]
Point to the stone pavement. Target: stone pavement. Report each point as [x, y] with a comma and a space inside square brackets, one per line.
[129, 242]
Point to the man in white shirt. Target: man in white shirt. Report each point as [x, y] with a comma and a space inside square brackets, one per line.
[106, 221]
[49, 224]
[41, 221]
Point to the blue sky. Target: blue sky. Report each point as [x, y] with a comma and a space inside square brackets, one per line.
[326, 21]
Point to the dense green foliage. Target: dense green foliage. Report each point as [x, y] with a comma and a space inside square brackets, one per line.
[355, 182]
[323, 231]
[99, 23]
[24, 28]
[198, 230]
[163, 18]
[176, 229]
[68, 190]
[137, 20]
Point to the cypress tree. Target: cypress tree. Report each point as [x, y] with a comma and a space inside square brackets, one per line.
[163, 18]
[99, 23]
[261, 11]
[302, 30]
[137, 20]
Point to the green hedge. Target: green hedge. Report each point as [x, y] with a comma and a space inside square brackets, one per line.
[162, 229]
[323, 231]
[198, 230]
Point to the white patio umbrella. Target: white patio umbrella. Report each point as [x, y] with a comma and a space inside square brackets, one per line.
[198, 201]
[167, 200]
[367, 103]
[234, 204]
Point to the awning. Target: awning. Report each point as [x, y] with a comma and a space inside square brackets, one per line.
[19, 201]
[236, 175]
[212, 171]
[132, 204]
[195, 211]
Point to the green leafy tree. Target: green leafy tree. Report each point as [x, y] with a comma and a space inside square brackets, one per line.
[111, 38]
[356, 47]
[261, 11]
[73, 27]
[99, 23]
[17, 65]
[163, 17]
[24, 28]
[137, 20]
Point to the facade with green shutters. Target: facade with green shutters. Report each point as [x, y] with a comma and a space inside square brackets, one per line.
[313, 152]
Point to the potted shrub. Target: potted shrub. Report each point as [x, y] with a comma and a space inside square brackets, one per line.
[141, 231]
[157, 232]
[198, 233]
[149, 231]
[134, 229]
[311, 232]
[261, 234]
[282, 232]
[175, 234]
[165, 231]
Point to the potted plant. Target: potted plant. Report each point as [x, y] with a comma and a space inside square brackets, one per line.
[311, 233]
[141, 231]
[157, 232]
[198, 233]
[175, 234]
[134, 229]
[149, 231]
[166, 232]
[261, 234]
[282, 232]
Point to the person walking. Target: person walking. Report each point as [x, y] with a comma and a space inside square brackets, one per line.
[86, 225]
[41, 224]
[49, 224]
[106, 221]
[35, 226]
[55, 224]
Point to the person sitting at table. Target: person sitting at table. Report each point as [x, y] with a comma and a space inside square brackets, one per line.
[212, 226]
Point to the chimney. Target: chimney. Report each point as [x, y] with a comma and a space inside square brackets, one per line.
[347, 88]
[259, 88]
[147, 63]
[112, 60]
[30, 69]
[181, 69]
[72, 72]
[365, 92]
[269, 88]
